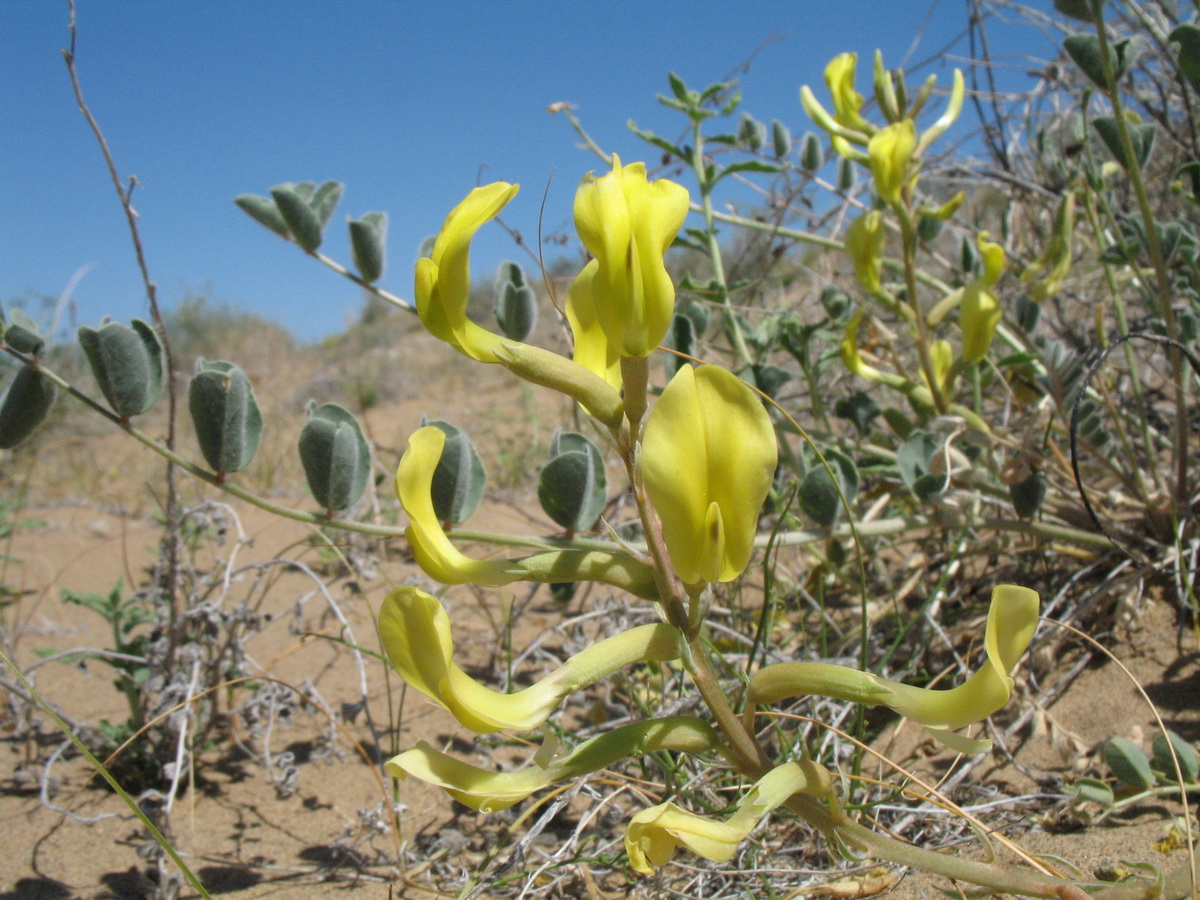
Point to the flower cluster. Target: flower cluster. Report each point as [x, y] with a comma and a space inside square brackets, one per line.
[700, 465]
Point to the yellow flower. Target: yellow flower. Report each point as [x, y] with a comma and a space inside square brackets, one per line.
[627, 223]
[1048, 271]
[1012, 620]
[865, 241]
[891, 150]
[839, 78]
[708, 458]
[415, 632]
[593, 350]
[979, 313]
[443, 279]
[488, 791]
[654, 833]
[851, 358]
[444, 562]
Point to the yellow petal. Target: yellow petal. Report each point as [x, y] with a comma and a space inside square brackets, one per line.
[839, 78]
[627, 223]
[443, 280]
[489, 791]
[1012, 620]
[953, 109]
[865, 242]
[891, 150]
[416, 635]
[708, 458]
[593, 350]
[436, 556]
[653, 834]
[980, 313]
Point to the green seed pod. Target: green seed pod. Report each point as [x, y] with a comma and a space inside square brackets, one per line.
[459, 479]
[368, 239]
[336, 457]
[264, 211]
[25, 406]
[845, 174]
[225, 415]
[573, 487]
[127, 362]
[781, 139]
[303, 223]
[812, 157]
[516, 304]
[22, 333]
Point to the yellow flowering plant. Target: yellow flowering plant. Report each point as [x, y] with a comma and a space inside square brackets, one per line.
[700, 462]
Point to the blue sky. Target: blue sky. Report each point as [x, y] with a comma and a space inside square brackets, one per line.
[410, 104]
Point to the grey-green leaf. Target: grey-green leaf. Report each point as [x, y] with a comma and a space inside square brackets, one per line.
[368, 244]
[516, 304]
[1027, 494]
[127, 362]
[25, 406]
[812, 157]
[225, 415]
[336, 457]
[1084, 49]
[22, 333]
[324, 201]
[1091, 789]
[781, 139]
[459, 479]
[302, 222]
[573, 487]
[818, 494]
[1188, 38]
[1128, 763]
[1189, 761]
[264, 211]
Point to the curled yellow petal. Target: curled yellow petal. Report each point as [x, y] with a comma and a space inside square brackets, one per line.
[891, 151]
[627, 223]
[708, 458]
[1048, 271]
[416, 635]
[489, 791]
[839, 78]
[953, 109]
[443, 279]
[653, 834]
[434, 552]
[444, 562]
[1012, 620]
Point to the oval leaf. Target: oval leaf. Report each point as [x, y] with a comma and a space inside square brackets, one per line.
[1128, 763]
[127, 363]
[25, 406]
[459, 478]
[336, 457]
[225, 415]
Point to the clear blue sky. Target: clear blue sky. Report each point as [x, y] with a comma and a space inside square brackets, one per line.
[407, 103]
